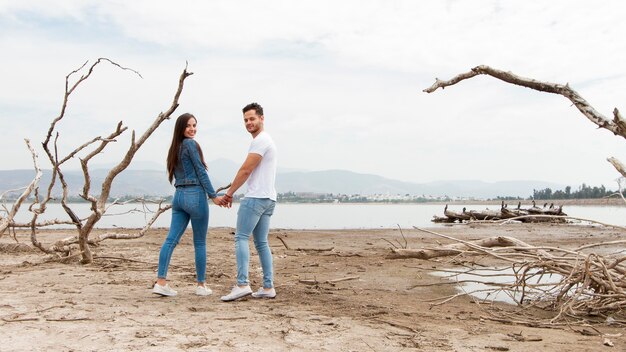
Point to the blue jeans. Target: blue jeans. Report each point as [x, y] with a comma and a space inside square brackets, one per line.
[253, 218]
[189, 203]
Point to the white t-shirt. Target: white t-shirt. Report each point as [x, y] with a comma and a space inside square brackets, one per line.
[261, 183]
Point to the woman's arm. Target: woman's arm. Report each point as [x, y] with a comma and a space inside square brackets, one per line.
[201, 173]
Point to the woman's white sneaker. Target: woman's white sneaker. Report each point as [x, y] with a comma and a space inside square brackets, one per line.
[164, 290]
[262, 293]
[203, 291]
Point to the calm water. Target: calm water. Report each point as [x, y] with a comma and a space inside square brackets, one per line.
[321, 216]
[484, 283]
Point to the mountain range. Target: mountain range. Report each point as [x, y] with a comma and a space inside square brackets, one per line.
[150, 180]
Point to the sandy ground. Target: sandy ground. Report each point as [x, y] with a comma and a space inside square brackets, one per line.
[108, 305]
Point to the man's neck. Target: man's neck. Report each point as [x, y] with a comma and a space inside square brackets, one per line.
[257, 133]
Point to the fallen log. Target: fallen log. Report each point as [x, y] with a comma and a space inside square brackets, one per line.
[551, 210]
[485, 214]
[503, 213]
[544, 218]
[524, 216]
[512, 213]
[455, 248]
[456, 216]
[442, 219]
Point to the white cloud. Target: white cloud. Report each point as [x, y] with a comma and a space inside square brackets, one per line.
[341, 81]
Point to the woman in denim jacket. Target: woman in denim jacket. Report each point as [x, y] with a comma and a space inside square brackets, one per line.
[186, 164]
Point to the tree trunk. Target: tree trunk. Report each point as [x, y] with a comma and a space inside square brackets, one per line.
[455, 248]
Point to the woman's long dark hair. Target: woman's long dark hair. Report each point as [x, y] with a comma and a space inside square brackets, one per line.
[177, 140]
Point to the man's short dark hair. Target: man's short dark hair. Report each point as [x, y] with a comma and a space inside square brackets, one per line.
[254, 106]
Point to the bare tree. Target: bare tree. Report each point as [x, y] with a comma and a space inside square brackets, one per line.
[98, 202]
[617, 125]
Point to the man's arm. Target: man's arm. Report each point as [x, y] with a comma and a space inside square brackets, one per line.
[244, 172]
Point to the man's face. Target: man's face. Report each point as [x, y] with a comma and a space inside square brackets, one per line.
[253, 122]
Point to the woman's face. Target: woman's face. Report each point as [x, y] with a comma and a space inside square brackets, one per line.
[190, 130]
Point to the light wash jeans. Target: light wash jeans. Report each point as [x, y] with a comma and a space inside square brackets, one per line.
[189, 203]
[253, 218]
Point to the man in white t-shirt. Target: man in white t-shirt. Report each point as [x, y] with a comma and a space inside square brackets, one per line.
[257, 206]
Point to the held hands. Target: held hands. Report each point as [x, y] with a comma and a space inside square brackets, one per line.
[223, 201]
[227, 201]
[219, 201]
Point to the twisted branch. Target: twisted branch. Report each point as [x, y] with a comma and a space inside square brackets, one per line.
[5, 222]
[617, 125]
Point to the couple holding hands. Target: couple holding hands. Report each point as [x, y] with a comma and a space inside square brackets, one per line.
[188, 170]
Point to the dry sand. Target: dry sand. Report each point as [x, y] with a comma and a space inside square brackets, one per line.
[108, 305]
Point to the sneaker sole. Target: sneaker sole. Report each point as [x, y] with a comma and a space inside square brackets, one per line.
[268, 297]
[163, 294]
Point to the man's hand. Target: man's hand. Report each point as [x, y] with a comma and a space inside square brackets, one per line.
[220, 201]
[227, 200]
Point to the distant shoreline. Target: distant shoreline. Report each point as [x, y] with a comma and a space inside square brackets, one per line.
[540, 202]
[525, 202]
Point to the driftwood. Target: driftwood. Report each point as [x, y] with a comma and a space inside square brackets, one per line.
[284, 242]
[332, 282]
[454, 215]
[15, 247]
[519, 213]
[588, 284]
[452, 249]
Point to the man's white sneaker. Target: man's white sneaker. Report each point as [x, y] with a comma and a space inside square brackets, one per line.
[203, 291]
[163, 290]
[236, 293]
[262, 293]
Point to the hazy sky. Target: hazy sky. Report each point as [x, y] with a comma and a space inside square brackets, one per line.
[341, 82]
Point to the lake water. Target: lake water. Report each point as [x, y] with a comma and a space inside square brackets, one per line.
[320, 216]
[497, 284]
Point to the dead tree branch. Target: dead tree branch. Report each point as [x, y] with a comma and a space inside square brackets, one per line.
[283, 241]
[620, 188]
[617, 125]
[618, 166]
[8, 220]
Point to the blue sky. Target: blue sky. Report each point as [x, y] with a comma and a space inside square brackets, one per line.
[341, 82]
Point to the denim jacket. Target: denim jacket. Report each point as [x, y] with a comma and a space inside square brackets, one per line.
[190, 171]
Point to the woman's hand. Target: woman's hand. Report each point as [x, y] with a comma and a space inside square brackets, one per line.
[222, 201]
[217, 201]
